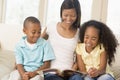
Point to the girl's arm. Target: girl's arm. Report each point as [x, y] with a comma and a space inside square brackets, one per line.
[103, 62]
[93, 72]
[44, 34]
[81, 64]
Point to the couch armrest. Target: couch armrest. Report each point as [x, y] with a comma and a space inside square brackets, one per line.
[7, 62]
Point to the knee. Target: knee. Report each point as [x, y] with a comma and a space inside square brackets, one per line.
[106, 77]
[76, 77]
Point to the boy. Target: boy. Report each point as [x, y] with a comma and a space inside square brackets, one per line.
[32, 53]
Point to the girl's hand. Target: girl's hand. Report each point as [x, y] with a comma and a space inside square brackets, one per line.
[93, 72]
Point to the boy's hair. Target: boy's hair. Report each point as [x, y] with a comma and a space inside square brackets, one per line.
[30, 19]
[106, 37]
[70, 4]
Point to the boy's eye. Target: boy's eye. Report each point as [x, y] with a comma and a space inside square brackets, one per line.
[33, 32]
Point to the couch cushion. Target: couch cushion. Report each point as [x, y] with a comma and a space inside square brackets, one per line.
[7, 62]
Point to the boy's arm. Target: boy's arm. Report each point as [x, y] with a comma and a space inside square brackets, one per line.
[46, 65]
[20, 69]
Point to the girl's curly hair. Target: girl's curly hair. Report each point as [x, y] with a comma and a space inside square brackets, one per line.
[106, 37]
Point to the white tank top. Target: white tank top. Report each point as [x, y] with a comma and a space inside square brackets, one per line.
[63, 48]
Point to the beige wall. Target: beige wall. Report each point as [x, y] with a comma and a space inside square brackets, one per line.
[99, 10]
[9, 35]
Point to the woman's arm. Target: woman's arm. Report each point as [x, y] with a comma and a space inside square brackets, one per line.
[44, 34]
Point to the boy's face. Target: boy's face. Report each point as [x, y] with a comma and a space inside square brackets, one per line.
[32, 31]
[91, 38]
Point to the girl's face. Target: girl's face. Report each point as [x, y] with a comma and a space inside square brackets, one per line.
[91, 38]
[69, 16]
[32, 31]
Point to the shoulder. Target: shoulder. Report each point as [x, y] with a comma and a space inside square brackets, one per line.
[80, 47]
[21, 42]
[51, 26]
[42, 42]
[100, 47]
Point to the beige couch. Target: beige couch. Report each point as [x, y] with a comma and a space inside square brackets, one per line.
[9, 38]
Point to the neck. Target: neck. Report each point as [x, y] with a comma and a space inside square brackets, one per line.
[65, 26]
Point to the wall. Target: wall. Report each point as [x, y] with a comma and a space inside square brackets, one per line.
[9, 35]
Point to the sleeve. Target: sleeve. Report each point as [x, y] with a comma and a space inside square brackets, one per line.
[48, 52]
[78, 49]
[102, 48]
[18, 55]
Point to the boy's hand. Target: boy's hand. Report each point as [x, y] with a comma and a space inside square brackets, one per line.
[32, 74]
[25, 76]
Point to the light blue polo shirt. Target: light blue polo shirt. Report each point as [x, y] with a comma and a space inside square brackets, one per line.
[32, 59]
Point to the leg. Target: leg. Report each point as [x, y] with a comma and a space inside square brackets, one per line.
[37, 77]
[76, 77]
[15, 75]
[105, 77]
[52, 77]
[88, 78]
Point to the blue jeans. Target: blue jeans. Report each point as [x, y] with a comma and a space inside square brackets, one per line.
[55, 77]
[101, 77]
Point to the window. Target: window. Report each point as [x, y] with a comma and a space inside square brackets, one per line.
[18, 10]
[113, 18]
[53, 13]
[86, 8]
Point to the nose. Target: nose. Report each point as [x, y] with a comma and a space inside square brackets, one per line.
[37, 35]
[68, 18]
[88, 40]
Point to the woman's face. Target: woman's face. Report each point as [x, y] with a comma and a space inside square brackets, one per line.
[91, 38]
[69, 16]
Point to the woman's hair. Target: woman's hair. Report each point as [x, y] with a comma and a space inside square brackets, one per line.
[72, 4]
[106, 37]
[31, 19]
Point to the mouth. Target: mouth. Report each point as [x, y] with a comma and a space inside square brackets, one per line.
[69, 22]
[88, 45]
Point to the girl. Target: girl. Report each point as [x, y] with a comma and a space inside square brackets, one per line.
[97, 47]
[63, 37]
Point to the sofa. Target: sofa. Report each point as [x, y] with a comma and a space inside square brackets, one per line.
[9, 38]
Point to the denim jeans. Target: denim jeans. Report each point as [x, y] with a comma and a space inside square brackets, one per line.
[101, 77]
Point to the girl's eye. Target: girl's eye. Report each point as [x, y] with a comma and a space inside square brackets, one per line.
[39, 32]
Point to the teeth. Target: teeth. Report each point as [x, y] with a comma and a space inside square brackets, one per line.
[68, 22]
[88, 45]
